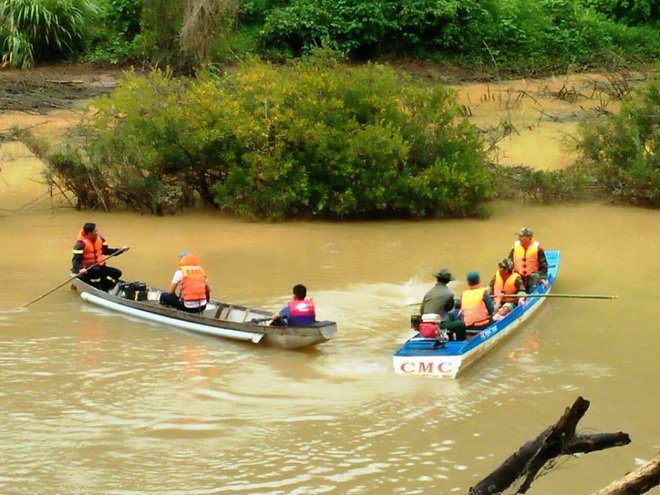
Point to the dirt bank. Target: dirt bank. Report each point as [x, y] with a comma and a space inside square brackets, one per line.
[46, 88]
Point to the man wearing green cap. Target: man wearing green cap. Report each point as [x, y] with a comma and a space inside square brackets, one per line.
[529, 260]
[505, 283]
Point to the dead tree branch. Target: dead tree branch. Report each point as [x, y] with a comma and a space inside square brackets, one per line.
[554, 441]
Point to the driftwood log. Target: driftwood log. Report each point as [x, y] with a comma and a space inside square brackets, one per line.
[561, 439]
[641, 480]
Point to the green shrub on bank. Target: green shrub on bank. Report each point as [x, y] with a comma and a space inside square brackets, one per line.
[544, 186]
[316, 138]
[624, 150]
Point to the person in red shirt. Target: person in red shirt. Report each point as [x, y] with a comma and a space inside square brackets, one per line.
[299, 311]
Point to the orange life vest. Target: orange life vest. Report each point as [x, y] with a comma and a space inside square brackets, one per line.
[92, 251]
[503, 287]
[193, 283]
[473, 307]
[526, 261]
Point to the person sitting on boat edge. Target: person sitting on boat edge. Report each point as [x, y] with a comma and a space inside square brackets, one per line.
[299, 311]
[529, 260]
[476, 309]
[195, 289]
[506, 282]
[88, 260]
[439, 299]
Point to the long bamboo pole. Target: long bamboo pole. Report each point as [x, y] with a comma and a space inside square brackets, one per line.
[19, 308]
[569, 296]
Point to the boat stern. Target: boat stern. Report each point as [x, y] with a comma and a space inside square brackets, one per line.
[431, 365]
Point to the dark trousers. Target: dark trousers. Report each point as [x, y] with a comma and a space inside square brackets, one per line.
[102, 277]
[531, 281]
[176, 302]
[457, 329]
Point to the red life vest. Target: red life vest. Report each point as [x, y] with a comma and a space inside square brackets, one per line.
[503, 287]
[193, 283]
[474, 308]
[526, 261]
[301, 312]
[92, 251]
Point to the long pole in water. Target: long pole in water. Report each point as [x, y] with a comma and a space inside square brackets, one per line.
[569, 296]
[18, 308]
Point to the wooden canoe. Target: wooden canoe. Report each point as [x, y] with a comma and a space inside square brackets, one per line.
[220, 319]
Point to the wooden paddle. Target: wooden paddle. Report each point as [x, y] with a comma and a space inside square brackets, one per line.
[18, 308]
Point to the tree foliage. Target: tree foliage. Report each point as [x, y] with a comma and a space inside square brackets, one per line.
[513, 35]
[624, 150]
[315, 138]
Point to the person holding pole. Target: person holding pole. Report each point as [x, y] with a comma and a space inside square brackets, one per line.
[88, 260]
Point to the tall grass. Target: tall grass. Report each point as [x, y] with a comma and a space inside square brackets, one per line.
[47, 28]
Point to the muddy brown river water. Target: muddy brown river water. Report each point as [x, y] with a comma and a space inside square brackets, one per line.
[97, 403]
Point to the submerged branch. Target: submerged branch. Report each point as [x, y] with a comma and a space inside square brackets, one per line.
[554, 441]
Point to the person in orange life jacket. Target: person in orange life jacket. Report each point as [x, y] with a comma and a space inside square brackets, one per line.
[529, 260]
[88, 260]
[195, 289]
[506, 281]
[476, 309]
[299, 311]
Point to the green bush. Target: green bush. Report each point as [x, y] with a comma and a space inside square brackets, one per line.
[513, 35]
[316, 138]
[357, 27]
[623, 150]
[544, 186]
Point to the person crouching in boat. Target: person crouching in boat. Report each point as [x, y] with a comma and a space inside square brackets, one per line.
[88, 260]
[299, 311]
[505, 283]
[529, 260]
[195, 288]
[476, 309]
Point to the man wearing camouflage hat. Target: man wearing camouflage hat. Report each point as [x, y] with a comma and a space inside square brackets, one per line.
[529, 260]
[439, 300]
